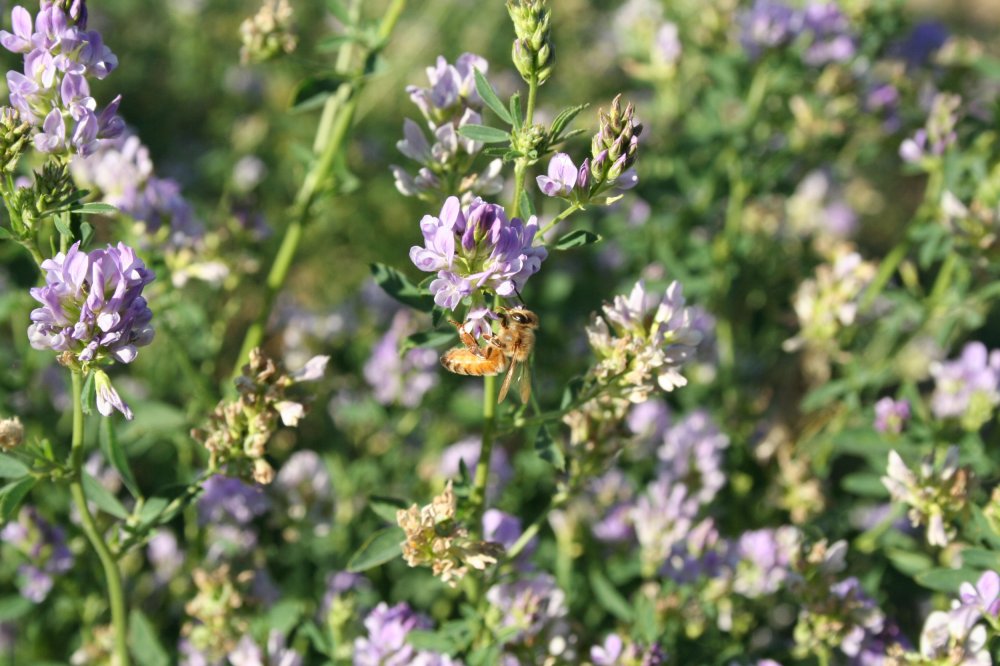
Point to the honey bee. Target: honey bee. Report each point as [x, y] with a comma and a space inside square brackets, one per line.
[507, 350]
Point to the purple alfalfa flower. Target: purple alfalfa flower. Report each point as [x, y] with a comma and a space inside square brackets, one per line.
[397, 378]
[984, 596]
[304, 490]
[859, 617]
[530, 607]
[920, 44]
[248, 653]
[164, 555]
[704, 554]
[452, 88]
[92, 305]
[829, 31]
[617, 652]
[611, 496]
[938, 134]
[692, 454]
[466, 451]
[768, 24]
[648, 421]
[44, 546]
[561, 178]
[385, 643]
[763, 560]
[891, 415]
[52, 92]
[505, 529]
[476, 248]
[229, 500]
[340, 584]
[967, 387]
[662, 517]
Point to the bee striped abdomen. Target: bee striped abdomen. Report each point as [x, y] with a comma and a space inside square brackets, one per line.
[462, 361]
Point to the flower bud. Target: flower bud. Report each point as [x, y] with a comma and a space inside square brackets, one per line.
[13, 136]
[268, 33]
[532, 51]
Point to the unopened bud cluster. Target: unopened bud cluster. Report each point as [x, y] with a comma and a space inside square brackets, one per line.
[52, 189]
[238, 431]
[616, 143]
[268, 33]
[13, 137]
[435, 539]
[532, 52]
[217, 611]
[937, 495]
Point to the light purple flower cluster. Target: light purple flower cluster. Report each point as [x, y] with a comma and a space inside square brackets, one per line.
[663, 517]
[467, 451]
[385, 642]
[401, 379]
[691, 454]
[92, 305]
[248, 653]
[891, 415]
[476, 248]
[823, 27]
[565, 180]
[44, 545]
[450, 103]
[967, 388]
[304, 490]
[121, 172]
[763, 560]
[937, 135]
[617, 652]
[229, 500]
[533, 614]
[52, 92]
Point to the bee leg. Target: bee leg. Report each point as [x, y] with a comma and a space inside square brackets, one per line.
[468, 339]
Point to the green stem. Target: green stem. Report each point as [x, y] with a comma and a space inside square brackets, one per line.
[335, 122]
[116, 596]
[521, 168]
[477, 500]
[559, 218]
[558, 501]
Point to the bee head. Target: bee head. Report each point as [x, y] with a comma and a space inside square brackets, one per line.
[519, 316]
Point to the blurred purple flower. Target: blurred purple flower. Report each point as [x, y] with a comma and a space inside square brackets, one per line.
[616, 652]
[891, 415]
[229, 500]
[505, 529]
[925, 38]
[984, 597]
[248, 653]
[663, 517]
[467, 451]
[766, 25]
[401, 378]
[692, 454]
[92, 304]
[165, 555]
[648, 421]
[969, 386]
[44, 545]
[338, 584]
[529, 606]
[385, 643]
[830, 34]
[763, 560]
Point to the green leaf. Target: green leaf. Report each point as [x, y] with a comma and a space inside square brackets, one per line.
[12, 494]
[86, 234]
[486, 91]
[946, 580]
[609, 597]
[11, 468]
[104, 500]
[515, 110]
[484, 133]
[312, 92]
[386, 507]
[549, 450]
[981, 558]
[285, 615]
[146, 647]
[150, 513]
[486, 655]
[95, 208]
[564, 118]
[5, 234]
[866, 484]
[116, 456]
[317, 638]
[527, 205]
[909, 562]
[450, 638]
[14, 607]
[576, 238]
[62, 227]
[399, 287]
[381, 547]
[336, 7]
[426, 339]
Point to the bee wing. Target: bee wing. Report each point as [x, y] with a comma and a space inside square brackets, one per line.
[524, 384]
[507, 380]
